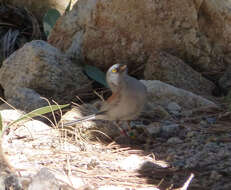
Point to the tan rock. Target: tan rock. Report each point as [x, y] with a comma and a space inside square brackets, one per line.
[214, 33]
[103, 32]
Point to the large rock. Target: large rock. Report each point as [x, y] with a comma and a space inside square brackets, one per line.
[172, 70]
[102, 31]
[38, 69]
[163, 94]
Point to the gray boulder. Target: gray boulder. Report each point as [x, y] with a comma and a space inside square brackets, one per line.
[39, 69]
[162, 94]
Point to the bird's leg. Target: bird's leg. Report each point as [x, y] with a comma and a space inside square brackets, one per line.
[122, 131]
[125, 131]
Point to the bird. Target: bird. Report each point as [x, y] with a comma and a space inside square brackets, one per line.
[128, 98]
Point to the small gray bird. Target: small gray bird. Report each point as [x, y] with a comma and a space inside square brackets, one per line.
[127, 100]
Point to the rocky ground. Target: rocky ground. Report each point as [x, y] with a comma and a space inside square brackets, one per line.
[201, 145]
[155, 154]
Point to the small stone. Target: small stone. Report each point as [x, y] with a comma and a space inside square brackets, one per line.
[44, 179]
[170, 130]
[211, 120]
[174, 108]
[190, 134]
[203, 123]
[179, 164]
[215, 176]
[174, 140]
[187, 113]
[161, 113]
[153, 129]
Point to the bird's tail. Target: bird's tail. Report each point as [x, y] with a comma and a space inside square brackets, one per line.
[86, 118]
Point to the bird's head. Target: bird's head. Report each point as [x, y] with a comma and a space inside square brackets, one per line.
[115, 75]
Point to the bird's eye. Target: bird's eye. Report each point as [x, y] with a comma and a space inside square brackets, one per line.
[114, 70]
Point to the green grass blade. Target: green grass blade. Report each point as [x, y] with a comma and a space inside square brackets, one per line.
[38, 112]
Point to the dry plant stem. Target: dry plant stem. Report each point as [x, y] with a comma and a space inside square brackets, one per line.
[100, 96]
[69, 169]
[161, 181]
[186, 184]
[8, 103]
[51, 109]
[98, 131]
[79, 100]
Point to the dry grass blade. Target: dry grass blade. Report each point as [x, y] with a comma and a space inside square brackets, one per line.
[186, 184]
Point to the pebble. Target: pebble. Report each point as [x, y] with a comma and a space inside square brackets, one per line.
[174, 140]
[215, 175]
[153, 129]
[191, 134]
[174, 108]
[170, 130]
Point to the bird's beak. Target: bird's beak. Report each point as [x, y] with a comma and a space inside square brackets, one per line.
[123, 68]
